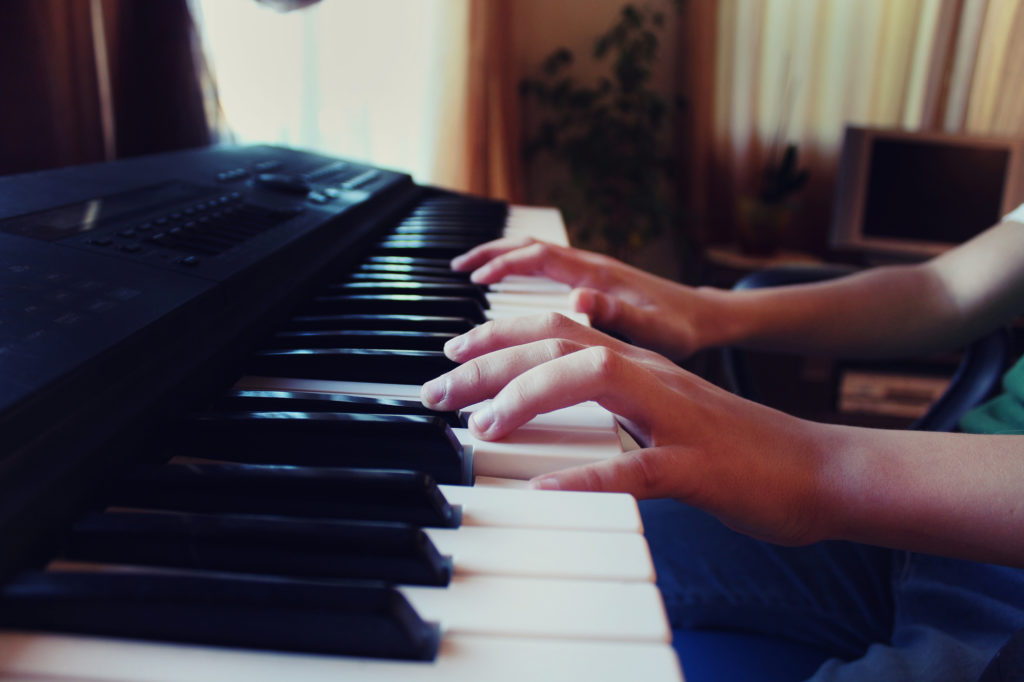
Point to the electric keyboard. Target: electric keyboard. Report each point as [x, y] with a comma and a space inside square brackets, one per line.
[216, 464]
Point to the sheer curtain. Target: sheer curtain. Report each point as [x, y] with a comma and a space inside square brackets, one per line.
[382, 81]
[799, 71]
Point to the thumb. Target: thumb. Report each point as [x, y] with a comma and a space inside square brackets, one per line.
[607, 312]
[651, 472]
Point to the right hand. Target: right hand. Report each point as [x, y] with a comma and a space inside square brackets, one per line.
[650, 311]
[762, 472]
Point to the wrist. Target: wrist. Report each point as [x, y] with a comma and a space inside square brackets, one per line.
[843, 483]
[718, 320]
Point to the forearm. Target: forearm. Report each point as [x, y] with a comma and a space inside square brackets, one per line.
[950, 494]
[882, 312]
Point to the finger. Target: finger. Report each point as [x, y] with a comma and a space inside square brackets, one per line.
[652, 472]
[485, 376]
[609, 312]
[479, 255]
[539, 258]
[505, 332]
[594, 373]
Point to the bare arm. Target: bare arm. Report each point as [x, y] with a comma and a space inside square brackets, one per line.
[884, 311]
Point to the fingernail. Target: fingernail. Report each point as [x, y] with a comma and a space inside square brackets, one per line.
[433, 393]
[582, 300]
[483, 420]
[545, 483]
[457, 261]
[453, 347]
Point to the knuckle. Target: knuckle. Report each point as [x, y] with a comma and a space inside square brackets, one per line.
[516, 392]
[606, 362]
[556, 324]
[594, 479]
[537, 248]
[644, 471]
[485, 333]
[472, 372]
[558, 347]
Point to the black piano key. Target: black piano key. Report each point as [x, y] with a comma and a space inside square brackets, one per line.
[414, 261]
[360, 338]
[253, 400]
[427, 241]
[331, 439]
[426, 248]
[424, 270]
[352, 364]
[399, 304]
[287, 547]
[367, 321]
[375, 276]
[461, 290]
[442, 227]
[469, 221]
[329, 617]
[293, 491]
[463, 208]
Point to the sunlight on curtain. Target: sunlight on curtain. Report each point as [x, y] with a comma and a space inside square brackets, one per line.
[380, 81]
[804, 69]
[995, 105]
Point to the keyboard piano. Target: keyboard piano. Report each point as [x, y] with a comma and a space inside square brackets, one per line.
[214, 454]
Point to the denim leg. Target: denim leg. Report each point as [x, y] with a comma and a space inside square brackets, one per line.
[835, 596]
[951, 617]
[878, 614]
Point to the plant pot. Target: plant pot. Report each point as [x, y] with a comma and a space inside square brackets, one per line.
[760, 226]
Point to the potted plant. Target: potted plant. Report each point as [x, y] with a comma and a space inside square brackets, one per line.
[763, 218]
[608, 140]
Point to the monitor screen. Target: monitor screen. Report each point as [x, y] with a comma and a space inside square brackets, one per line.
[933, 192]
[913, 195]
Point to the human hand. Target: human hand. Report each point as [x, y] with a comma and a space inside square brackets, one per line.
[757, 469]
[648, 310]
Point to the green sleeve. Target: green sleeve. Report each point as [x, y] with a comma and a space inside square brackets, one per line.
[1003, 414]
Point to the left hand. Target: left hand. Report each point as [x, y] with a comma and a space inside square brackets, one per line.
[650, 311]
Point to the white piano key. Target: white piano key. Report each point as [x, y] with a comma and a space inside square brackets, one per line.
[489, 503]
[506, 483]
[557, 302]
[526, 284]
[533, 553]
[587, 416]
[521, 311]
[530, 607]
[462, 658]
[526, 453]
[382, 390]
[543, 223]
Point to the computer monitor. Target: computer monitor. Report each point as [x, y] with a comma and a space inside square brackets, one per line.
[913, 195]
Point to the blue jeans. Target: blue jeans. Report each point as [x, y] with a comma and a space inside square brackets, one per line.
[873, 613]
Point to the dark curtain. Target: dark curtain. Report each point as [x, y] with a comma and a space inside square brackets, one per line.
[54, 102]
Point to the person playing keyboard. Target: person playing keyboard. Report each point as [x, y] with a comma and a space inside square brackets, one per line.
[897, 554]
